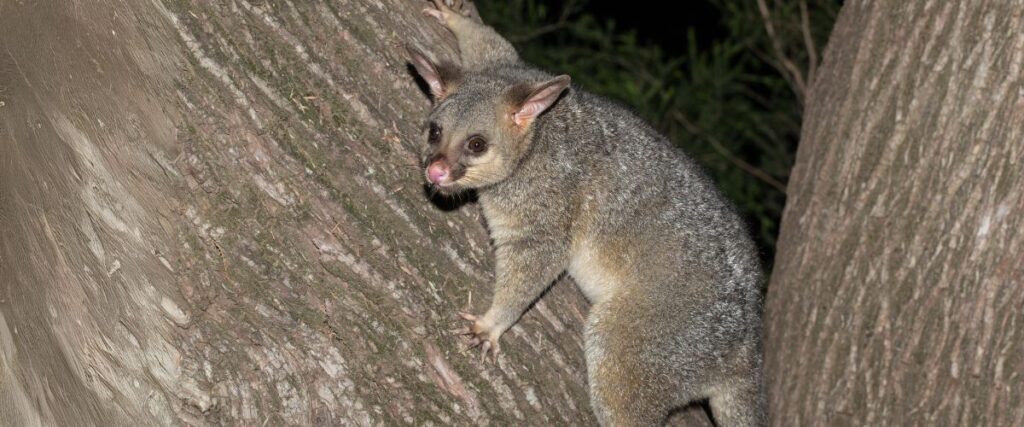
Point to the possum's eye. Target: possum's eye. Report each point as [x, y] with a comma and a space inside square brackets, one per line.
[476, 144]
[435, 134]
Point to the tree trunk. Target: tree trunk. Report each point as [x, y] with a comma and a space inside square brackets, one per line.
[211, 213]
[897, 292]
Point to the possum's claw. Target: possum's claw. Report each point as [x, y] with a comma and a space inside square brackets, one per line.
[436, 14]
[479, 335]
[443, 13]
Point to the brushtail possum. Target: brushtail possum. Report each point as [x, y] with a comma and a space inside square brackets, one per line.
[571, 182]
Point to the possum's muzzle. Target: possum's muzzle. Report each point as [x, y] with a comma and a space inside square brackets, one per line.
[443, 175]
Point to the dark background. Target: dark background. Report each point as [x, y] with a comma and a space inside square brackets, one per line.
[659, 25]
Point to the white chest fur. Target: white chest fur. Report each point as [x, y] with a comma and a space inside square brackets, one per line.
[502, 226]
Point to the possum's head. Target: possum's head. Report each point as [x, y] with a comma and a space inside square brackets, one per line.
[480, 126]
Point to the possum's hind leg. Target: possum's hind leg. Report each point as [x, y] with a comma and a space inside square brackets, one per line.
[479, 45]
[630, 384]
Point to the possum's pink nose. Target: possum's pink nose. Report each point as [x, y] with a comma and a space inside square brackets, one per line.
[438, 172]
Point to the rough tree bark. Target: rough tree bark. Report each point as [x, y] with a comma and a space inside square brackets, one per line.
[210, 213]
[898, 291]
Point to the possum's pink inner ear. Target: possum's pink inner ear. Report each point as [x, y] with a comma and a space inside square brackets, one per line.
[430, 72]
[539, 100]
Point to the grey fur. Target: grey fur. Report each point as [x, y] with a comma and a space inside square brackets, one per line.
[589, 188]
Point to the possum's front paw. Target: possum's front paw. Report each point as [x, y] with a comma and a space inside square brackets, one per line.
[440, 11]
[481, 335]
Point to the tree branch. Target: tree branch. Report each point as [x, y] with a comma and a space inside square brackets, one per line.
[812, 51]
[562, 22]
[799, 85]
[717, 145]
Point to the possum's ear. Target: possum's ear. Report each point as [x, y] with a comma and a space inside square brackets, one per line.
[529, 101]
[441, 78]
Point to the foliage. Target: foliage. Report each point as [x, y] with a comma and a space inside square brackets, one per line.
[732, 102]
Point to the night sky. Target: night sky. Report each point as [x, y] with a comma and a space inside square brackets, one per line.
[661, 24]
